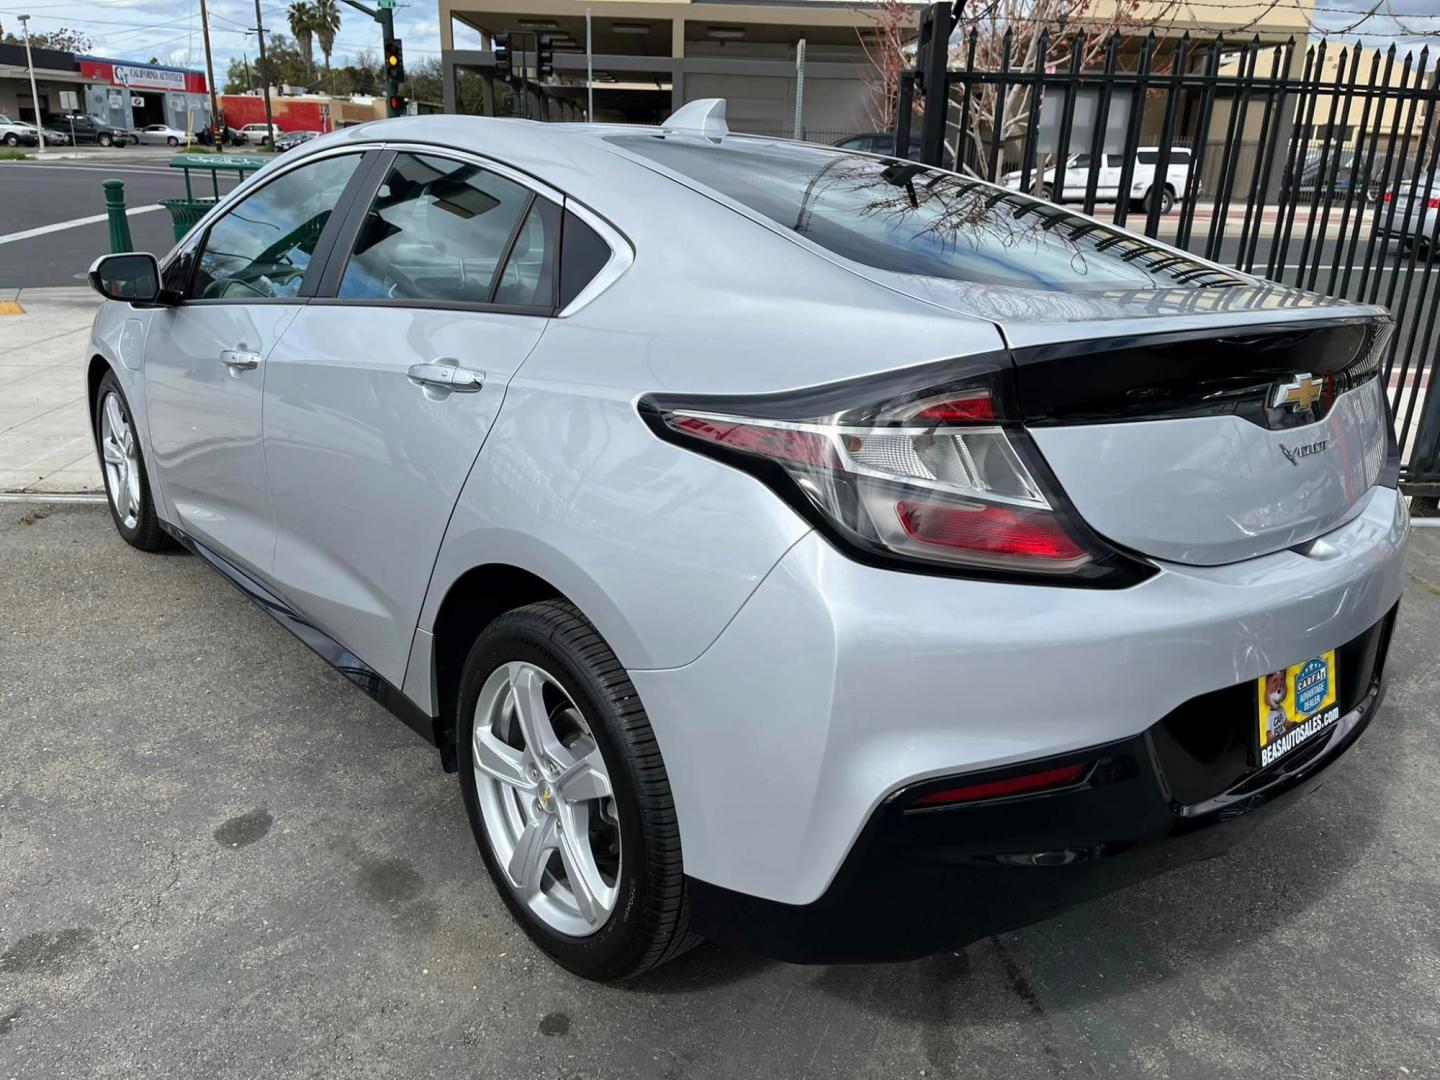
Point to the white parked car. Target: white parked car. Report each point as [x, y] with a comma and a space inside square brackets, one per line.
[14, 133]
[1409, 212]
[1109, 173]
[162, 135]
[262, 134]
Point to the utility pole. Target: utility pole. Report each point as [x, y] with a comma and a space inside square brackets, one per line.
[265, 75]
[589, 72]
[210, 78]
[34, 94]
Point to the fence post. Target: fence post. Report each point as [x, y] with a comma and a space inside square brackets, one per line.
[932, 60]
[904, 108]
[119, 223]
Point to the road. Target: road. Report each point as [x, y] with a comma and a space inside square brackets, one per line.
[221, 860]
[39, 194]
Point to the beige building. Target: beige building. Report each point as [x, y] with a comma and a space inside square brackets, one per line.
[651, 56]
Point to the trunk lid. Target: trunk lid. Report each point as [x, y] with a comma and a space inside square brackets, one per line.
[1198, 425]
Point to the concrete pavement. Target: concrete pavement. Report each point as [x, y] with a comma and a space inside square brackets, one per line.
[221, 860]
[45, 441]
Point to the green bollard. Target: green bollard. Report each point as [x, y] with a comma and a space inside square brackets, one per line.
[119, 223]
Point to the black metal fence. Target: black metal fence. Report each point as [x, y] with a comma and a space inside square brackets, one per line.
[1317, 170]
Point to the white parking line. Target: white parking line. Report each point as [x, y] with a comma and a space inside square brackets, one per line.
[26, 234]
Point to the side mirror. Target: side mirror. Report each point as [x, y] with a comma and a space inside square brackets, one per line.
[133, 276]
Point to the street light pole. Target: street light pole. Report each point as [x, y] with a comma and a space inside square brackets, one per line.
[589, 72]
[34, 94]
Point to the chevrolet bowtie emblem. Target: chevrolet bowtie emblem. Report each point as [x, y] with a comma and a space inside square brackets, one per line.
[1300, 394]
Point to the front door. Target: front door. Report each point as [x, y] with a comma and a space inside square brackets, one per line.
[205, 358]
[378, 397]
[1108, 182]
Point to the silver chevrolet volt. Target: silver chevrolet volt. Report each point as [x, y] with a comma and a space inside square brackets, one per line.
[804, 549]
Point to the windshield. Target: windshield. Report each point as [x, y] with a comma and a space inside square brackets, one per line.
[911, 219]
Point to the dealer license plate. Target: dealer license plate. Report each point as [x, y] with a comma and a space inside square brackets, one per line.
[1296, 705]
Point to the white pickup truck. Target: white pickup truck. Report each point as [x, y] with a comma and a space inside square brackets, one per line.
[1142, 188]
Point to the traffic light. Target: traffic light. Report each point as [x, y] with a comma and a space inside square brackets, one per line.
[397, 104]
[504, 59]
[544, 58]
[394, 60]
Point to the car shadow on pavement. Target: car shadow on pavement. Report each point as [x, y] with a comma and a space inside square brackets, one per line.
[1169, 926]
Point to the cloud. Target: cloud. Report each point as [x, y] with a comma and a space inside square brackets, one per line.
[1404, 23]
[170, 29]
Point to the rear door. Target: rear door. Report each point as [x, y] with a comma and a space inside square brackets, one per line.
[381, 392]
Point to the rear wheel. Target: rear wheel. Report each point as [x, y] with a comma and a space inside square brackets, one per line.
[568, 797]
[1166, 197]
[12, 139]
[173, 141]
[123, 466]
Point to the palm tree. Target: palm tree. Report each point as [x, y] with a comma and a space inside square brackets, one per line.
[326, 24]
[302, 25]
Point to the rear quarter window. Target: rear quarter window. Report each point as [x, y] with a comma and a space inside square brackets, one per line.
[911, 219]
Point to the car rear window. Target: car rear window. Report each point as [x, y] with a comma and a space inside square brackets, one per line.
[911, 219]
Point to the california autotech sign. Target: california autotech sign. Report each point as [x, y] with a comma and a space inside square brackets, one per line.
[142, 77]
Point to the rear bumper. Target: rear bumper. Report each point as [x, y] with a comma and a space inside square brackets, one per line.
[921, 880]
[838, 685]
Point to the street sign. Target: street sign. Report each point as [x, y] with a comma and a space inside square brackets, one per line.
[385, 4]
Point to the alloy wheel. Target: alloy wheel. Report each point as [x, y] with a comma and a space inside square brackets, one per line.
[546, 799]
[120, 453]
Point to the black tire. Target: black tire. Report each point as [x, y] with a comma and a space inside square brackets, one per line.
[104, 139]
[1166, 197]
[1048, 193]
[146, 533]
[12, 139]
[650, 921]
[173, 141]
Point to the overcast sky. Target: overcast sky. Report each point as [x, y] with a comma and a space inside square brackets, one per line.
[170, 29]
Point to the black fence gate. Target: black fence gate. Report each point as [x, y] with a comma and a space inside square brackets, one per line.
[1313, 169]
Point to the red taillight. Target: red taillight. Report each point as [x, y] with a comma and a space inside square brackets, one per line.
[905, 471]
[1433, 203]
[971, 408]
[1011, 785]
[787, 444]
[1389, 196]
[990, 530]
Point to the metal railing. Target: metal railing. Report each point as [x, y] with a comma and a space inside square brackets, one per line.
[1261, 157]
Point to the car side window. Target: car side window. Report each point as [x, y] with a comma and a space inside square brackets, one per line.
[439, 229]
[261, 248]
[528, 279]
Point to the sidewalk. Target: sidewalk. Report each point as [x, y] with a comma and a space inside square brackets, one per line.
[45, 441]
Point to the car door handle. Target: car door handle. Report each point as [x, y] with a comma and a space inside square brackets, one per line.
[240, 359]
[446, 374]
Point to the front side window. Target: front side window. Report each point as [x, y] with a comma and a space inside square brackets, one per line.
[439, 230]
[261, 249]
[908, 218]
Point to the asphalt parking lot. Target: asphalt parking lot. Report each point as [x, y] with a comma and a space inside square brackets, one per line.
[219, 859]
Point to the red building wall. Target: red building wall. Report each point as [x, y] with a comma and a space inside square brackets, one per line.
[290, 115]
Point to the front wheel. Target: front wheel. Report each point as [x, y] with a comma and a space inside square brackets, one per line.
[173, 141]
[568, 796]
[123, 466]
[105, 140]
